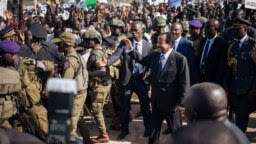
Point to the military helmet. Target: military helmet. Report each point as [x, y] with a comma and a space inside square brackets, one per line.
[159, 22]
[116, 22]
[92, 34]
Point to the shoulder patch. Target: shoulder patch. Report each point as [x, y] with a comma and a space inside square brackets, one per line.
[66, 65]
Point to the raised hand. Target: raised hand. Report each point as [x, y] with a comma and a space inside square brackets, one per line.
[128, 43]
[101, 63]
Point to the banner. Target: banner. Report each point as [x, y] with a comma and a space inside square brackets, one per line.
[3, 7]
[90, 3]
[174, 3]
[250, 4]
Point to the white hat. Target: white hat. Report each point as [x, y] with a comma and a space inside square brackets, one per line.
[64, 15]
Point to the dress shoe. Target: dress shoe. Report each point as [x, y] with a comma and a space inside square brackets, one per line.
[167, 131]
[123, 134]
[147, 132]
[102, 138]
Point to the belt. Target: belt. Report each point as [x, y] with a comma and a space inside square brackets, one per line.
[81, 92]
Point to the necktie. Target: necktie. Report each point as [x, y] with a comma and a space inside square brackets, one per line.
[136, 47]
[162, 58]
[205, 54]
[175, 45]
[136, 65]
[240, 44]
[161, 65]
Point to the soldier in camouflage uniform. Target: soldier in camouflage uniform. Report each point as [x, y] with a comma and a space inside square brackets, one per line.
[75, 68]
[112, 42]
[10, 85]
[159, 25]
[100, 82]
[32, 88]
[241, 61]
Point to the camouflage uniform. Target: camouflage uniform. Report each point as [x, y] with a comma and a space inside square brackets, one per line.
[10, 84]
[115, 68]
[100, 85]
[32, 89]
[75, 68]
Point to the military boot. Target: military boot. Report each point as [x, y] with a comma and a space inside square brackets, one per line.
[102, 138]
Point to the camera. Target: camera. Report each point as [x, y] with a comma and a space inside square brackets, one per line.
[61, 93]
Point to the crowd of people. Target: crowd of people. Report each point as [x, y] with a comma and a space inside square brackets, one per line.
[196, 60]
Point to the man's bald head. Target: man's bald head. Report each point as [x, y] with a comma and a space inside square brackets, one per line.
[206, 101]
[212, 27]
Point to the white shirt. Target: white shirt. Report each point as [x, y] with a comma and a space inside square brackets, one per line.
[210, 45]
[166, 56]
[139, 49]
[242, 41]
[176, 43]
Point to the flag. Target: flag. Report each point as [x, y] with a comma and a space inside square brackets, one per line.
[90, 3]
[174, 3]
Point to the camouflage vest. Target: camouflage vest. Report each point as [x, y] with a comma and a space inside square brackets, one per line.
[114, 68]
[31, 83]
[97, 83]
[9, 81]
[81, 75]
[9, 84]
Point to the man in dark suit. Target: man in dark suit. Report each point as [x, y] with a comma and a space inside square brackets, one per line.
[185, 47]
[211, 63]
[132, 76]
[170, 81]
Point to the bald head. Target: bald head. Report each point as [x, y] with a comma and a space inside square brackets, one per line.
[212, 28]
[206, 101]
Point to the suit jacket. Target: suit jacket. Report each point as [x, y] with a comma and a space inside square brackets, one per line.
[185, 47]
[127, 67]
[170, 86]
[216, 61]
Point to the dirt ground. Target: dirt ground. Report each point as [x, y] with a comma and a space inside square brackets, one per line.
[137, 130]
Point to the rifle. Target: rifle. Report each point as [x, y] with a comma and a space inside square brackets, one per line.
[21, 111]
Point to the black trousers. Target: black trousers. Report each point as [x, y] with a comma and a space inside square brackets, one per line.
[174, 121]
[243, 107]
[137, 85]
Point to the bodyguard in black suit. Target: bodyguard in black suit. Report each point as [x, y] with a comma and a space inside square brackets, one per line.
[211, 63]
[132, 76]
[170, 81]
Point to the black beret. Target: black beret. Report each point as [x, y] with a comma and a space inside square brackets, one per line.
[38, 30]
